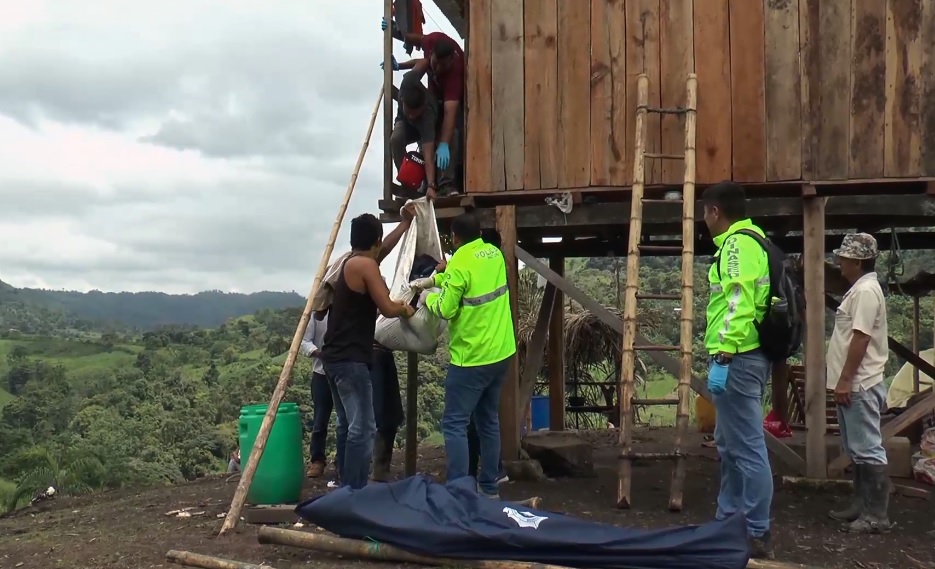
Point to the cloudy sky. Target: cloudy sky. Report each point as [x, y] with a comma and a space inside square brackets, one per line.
[184, 145]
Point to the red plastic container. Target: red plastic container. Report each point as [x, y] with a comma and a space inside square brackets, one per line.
[412, 171]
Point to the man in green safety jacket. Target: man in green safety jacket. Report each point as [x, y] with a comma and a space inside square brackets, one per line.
[738, 369]
[475, 299]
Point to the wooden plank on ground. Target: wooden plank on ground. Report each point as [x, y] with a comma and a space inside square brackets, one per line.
[574, 94]
[748, 84]
[868, 92]
[541, 67]
[509, 395]
[712, 64]
[928, 89]
[620, 143]
[834, 91]
[642, 54]
[677, 60]
[903, 79]
[783, 92]
[662, 359]
[809, 61]
[272, 515]
[601, 95]
[478, 135]
[507, 99]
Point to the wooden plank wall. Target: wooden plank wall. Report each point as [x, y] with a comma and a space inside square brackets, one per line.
[787, 90]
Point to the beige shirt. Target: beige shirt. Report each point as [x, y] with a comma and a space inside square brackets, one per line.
[863, 309]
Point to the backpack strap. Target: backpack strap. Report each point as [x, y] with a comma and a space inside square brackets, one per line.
[749, 233]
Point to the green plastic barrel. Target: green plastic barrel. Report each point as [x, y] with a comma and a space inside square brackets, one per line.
[281, 472]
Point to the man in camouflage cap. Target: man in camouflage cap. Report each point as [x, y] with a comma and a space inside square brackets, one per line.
[857, 354]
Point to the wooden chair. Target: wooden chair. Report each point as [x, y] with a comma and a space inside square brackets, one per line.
[796, 398]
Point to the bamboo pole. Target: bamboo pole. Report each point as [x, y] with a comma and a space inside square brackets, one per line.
[190, 559]
[380, 551]
[246, 478]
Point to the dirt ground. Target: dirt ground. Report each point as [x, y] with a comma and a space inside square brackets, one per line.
[124, 530]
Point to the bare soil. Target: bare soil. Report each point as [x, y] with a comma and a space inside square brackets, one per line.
[130, 529]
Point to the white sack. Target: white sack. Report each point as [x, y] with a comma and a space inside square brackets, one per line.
[420, 333]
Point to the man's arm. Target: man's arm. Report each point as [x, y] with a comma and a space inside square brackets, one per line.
[391, 240]
[448, 123]
[452, 95]
[417, 66]
[447, 303]
[308, 347]
[376, 288]
[739, 273]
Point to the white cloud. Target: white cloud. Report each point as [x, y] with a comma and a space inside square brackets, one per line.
[184, 145]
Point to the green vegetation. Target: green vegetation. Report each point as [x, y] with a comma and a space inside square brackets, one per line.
[92, 406]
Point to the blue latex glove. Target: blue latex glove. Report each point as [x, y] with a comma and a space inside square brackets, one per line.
[442, 156]
[717, 378]
[393, 62]
[383, 24]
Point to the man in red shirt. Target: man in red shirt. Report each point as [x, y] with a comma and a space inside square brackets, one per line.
[444, 63]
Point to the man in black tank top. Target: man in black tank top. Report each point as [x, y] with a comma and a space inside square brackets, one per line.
[359, 294]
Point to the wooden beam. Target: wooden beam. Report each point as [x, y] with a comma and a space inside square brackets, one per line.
[509, 395]
[663, 360]
[815, 382]
[556, 353]
[535, 350]
[915, 342]
[412, 413]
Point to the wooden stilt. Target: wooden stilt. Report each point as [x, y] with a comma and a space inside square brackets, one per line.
[916, 317]
[388, 101]
[556, 354]
[815, 382]
[509, 396]
[246, 478]
[190, 559]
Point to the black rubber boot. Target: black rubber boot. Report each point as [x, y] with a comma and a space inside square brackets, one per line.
[874, 517]
[853, 511]
[761, 547]
[382, 457]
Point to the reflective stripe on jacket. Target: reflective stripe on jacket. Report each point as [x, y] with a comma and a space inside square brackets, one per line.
[475, 299]
[739, 295]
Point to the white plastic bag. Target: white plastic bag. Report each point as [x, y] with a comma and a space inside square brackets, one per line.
[420, 333]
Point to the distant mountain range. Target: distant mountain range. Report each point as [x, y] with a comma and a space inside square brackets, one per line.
[38, 311]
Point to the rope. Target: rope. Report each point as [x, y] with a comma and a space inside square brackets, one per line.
[895, 268]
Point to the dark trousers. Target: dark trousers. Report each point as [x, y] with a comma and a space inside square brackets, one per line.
[387, 410]
[474, 450]
[322, 406]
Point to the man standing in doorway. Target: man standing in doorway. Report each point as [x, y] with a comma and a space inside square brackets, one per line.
[322, 403]
[738, 369]
[857, 355]
[475, 299]
[359, 293]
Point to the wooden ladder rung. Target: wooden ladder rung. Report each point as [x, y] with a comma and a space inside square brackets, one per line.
[654, 296]
[655, 348]
[660, 248]
[665, 111]
[651, 455]
[664, 156]
[650, 402]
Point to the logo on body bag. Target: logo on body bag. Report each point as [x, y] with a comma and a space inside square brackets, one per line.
[524, 519]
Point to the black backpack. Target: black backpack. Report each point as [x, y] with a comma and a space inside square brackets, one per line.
[783, 325]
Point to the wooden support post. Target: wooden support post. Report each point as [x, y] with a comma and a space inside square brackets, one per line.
[916, 317]
[556, 353]
[509, 396]
[412, 413]
[779, 449]
[387, 101]
[813, 212]
[535, 352]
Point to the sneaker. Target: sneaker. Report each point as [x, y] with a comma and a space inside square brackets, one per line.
[760, 547]
[315, 469]
[334, 484]
[502, 479]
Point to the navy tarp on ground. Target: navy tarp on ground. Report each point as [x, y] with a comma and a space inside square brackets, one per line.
[452, 521]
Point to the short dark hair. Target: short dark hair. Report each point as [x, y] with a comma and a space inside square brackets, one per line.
[466, 227]
[491, 236]
[412, 92]
[366, 231]
[729, 197]
[444, 49]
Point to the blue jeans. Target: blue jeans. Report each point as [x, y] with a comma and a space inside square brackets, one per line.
[860, 426]
[387, 400]
[474, 391]
[322, 405]
[353, 403]
[746, 477]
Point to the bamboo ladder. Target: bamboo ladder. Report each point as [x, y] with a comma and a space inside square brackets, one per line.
[636, 245]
